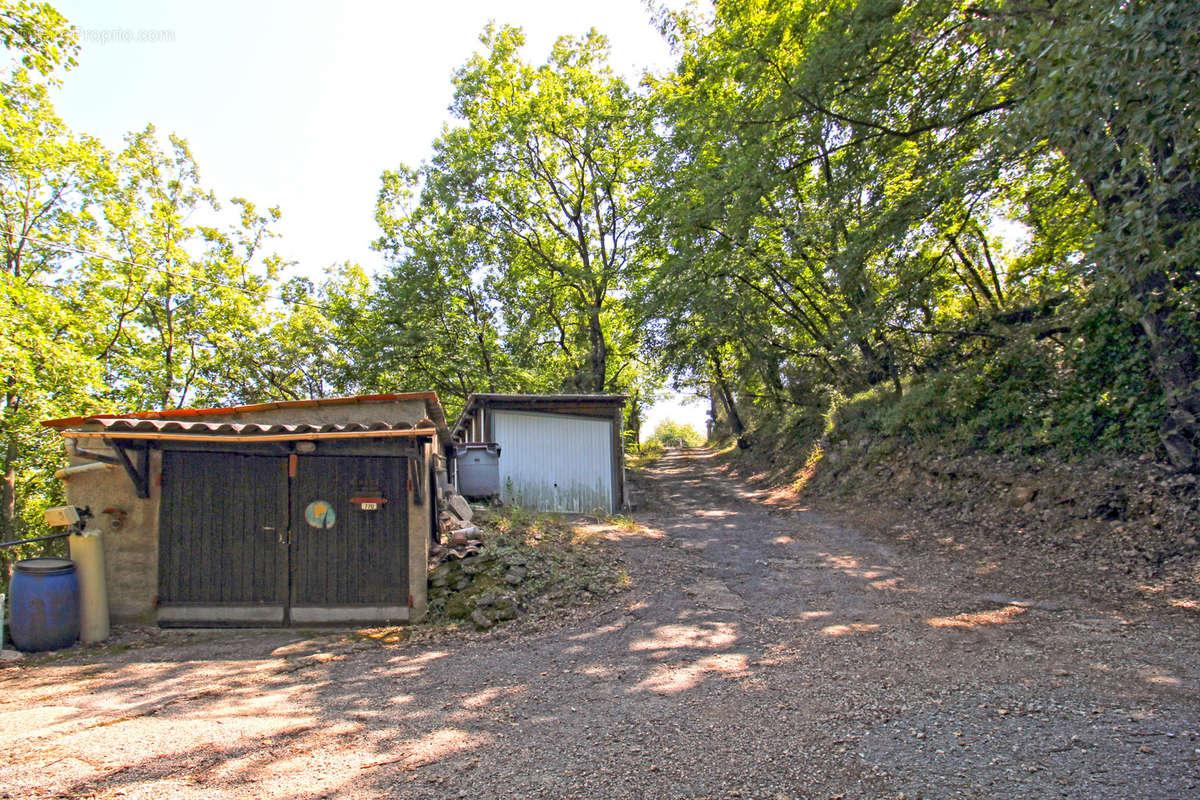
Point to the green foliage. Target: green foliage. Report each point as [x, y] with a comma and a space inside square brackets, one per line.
[111, 297]
[1127, 77]
[49, 179]
[985, 219]
[670, 433]
[37, 37]
[644, 455]
[1023, 398]
[980, 223]
[513, 250]
[177, 306]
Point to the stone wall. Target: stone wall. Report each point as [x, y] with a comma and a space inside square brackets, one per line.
[130, 538]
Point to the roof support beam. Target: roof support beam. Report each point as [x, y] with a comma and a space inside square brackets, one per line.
[140, 474]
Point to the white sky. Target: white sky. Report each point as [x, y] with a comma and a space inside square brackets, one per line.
[678, 408]
[304, 104]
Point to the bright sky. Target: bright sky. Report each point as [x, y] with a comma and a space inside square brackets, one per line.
[677, 408]
[304, 104]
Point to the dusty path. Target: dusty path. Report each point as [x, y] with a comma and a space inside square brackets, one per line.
[760, 655]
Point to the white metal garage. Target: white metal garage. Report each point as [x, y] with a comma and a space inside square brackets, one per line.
[557, 452]
[553, 462]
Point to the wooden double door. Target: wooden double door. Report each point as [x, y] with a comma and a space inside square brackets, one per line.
[276, 540]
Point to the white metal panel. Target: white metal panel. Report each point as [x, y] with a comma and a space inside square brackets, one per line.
[552, 462]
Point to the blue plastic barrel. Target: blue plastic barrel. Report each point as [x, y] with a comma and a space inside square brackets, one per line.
[44, 604]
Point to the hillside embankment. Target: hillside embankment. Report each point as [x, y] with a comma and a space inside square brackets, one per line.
[1118, 531]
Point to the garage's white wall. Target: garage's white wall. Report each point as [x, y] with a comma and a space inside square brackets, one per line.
[553, 462]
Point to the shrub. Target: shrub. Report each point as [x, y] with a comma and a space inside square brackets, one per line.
[669, 433]
[1096, 394]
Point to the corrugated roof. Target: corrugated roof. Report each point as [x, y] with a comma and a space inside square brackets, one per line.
[175, 430]
[602, 399]
[181, 417]
[122, 425]
[477, 399]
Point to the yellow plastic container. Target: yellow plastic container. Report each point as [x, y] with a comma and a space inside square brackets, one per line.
[87, 551]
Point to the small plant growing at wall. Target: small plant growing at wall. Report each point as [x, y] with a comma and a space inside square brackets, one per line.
[508, 492]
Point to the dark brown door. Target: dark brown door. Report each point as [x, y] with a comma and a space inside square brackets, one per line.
[222, 527]
[356, 558]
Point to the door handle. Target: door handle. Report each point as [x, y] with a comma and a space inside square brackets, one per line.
[283, 538]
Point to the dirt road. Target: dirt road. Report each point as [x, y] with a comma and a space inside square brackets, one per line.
[760, 654]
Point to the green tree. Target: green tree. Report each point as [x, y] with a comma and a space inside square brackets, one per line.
[50, 180]
[834, 176]
[1115, 89]
[524, 232]
[315, 345]
[670, 433]
[434, 322]
[180, 300]
[38, 39]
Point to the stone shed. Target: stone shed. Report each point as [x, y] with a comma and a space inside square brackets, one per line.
[293, 512]
[558, 452]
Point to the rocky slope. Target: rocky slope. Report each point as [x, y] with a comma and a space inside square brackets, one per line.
[1113, 530]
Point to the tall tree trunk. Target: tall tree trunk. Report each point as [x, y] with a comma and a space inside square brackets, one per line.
[710, 423]
[8, 493]
[876, 369]
[889, 363]
[1172, 350]
[1174, 359]
[598, 352]
[736, 427]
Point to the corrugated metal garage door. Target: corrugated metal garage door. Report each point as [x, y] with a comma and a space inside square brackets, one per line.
[551, 462]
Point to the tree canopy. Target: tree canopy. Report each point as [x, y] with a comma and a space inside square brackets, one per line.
[515, 248]
[985, 217]
[861, 193]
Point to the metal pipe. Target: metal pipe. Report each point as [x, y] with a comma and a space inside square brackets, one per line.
[75, 470]
[16, 542]
[92, 454]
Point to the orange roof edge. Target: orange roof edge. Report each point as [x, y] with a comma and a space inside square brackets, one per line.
[67, 422]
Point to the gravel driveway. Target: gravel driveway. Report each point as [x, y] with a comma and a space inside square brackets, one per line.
[759, 655]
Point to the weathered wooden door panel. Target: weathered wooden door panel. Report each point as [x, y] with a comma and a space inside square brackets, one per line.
[220, 556]
[361, 559]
